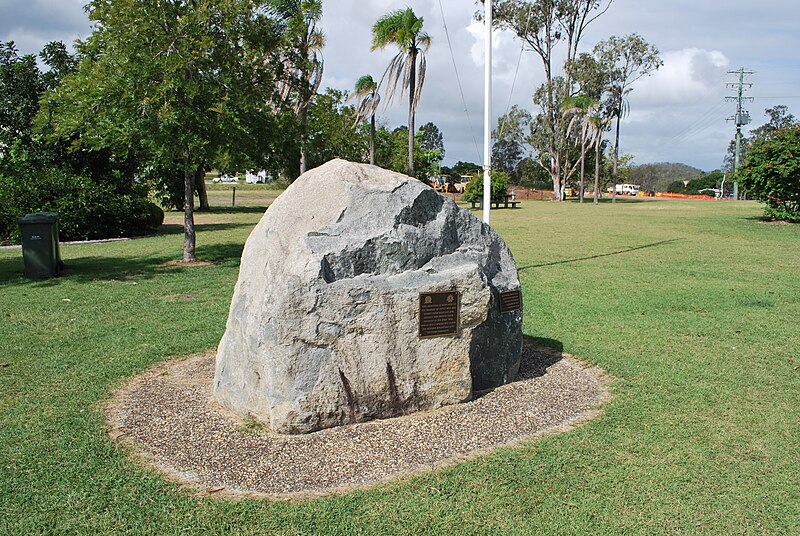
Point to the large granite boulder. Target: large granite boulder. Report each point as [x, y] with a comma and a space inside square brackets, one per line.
[324, 322]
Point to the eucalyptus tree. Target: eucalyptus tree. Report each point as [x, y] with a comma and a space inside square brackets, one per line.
[551, 29]
[180, 82]
[303, 60]
[510, 140]
[407, 69]
[432, 139]
[368, 99]
[628, 59]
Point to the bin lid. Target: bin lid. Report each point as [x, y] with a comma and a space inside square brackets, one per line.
[39, 217]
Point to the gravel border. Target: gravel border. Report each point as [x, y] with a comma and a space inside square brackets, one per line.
[170, 420]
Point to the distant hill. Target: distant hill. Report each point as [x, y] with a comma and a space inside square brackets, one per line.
[659, 175]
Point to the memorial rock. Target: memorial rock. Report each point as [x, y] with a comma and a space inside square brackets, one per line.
[324, 326]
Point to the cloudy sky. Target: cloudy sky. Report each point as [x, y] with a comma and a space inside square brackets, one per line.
[677, 115]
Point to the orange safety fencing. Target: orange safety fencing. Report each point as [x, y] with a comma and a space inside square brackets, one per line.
[684, 196]
[530, 193]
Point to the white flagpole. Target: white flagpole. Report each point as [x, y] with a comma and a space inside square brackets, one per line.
[487, 113]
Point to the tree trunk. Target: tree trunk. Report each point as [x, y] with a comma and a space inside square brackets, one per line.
[597, 144]
[372, 140]
[188, 218]
[583, 180]
[303, 126]
[552, 121]
[555, 172]
[200, 186]
[583, 165]
[614, 170]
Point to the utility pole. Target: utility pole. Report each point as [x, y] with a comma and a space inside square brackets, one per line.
[487, 113]
[742, 118]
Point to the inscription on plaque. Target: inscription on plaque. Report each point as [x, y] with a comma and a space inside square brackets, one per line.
[438, 314]
[510, 301]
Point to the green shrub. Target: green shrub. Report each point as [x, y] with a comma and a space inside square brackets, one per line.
[772, 173]
[474, 189]
[87, 210]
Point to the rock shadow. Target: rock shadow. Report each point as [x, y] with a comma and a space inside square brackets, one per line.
[538, 354]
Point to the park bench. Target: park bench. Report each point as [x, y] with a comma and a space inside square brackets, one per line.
[502, 202]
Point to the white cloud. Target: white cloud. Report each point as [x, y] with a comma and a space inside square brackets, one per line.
[690, 85]
[33, 23]
[687, 75]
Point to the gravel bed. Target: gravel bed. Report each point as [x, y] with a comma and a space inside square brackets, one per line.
[169, 416]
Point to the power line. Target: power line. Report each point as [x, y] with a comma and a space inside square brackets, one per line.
[709, 119]
[516, 72]
[460, 88]
[701, 121]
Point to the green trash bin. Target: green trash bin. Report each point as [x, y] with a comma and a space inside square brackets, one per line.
[40, 252]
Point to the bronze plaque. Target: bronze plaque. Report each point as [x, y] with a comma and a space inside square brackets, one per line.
[511, 301]
[438, 314]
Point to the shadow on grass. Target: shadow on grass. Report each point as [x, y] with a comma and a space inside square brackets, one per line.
[608, 200]
[620, 252]
[244, 209]
[247, 209]
[769, 221]
[95, 268]
[177, 228]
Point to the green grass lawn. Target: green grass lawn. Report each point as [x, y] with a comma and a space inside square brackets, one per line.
[693, 307]
[239, 195]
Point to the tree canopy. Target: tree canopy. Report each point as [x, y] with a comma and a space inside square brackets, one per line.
[552, 29]
[93, 190]
[186, 84]
[772, 172]
[510, 140]
[627, 59]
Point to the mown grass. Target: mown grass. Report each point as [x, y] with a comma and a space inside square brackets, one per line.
[693, 307]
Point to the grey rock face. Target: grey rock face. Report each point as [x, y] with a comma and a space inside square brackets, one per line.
[323, 325]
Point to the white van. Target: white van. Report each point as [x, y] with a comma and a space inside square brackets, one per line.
[627, 189]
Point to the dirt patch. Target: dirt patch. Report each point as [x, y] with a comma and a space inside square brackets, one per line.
[169, 417]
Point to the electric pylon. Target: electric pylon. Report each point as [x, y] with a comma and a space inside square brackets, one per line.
[742, 117]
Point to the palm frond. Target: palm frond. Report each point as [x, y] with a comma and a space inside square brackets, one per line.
[391, 77]
[421, 68]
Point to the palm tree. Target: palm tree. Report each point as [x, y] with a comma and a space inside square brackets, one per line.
[404, 29]
[620, 107]
[366, 94]
[299, 19]
[581, 108]
[599, 121]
